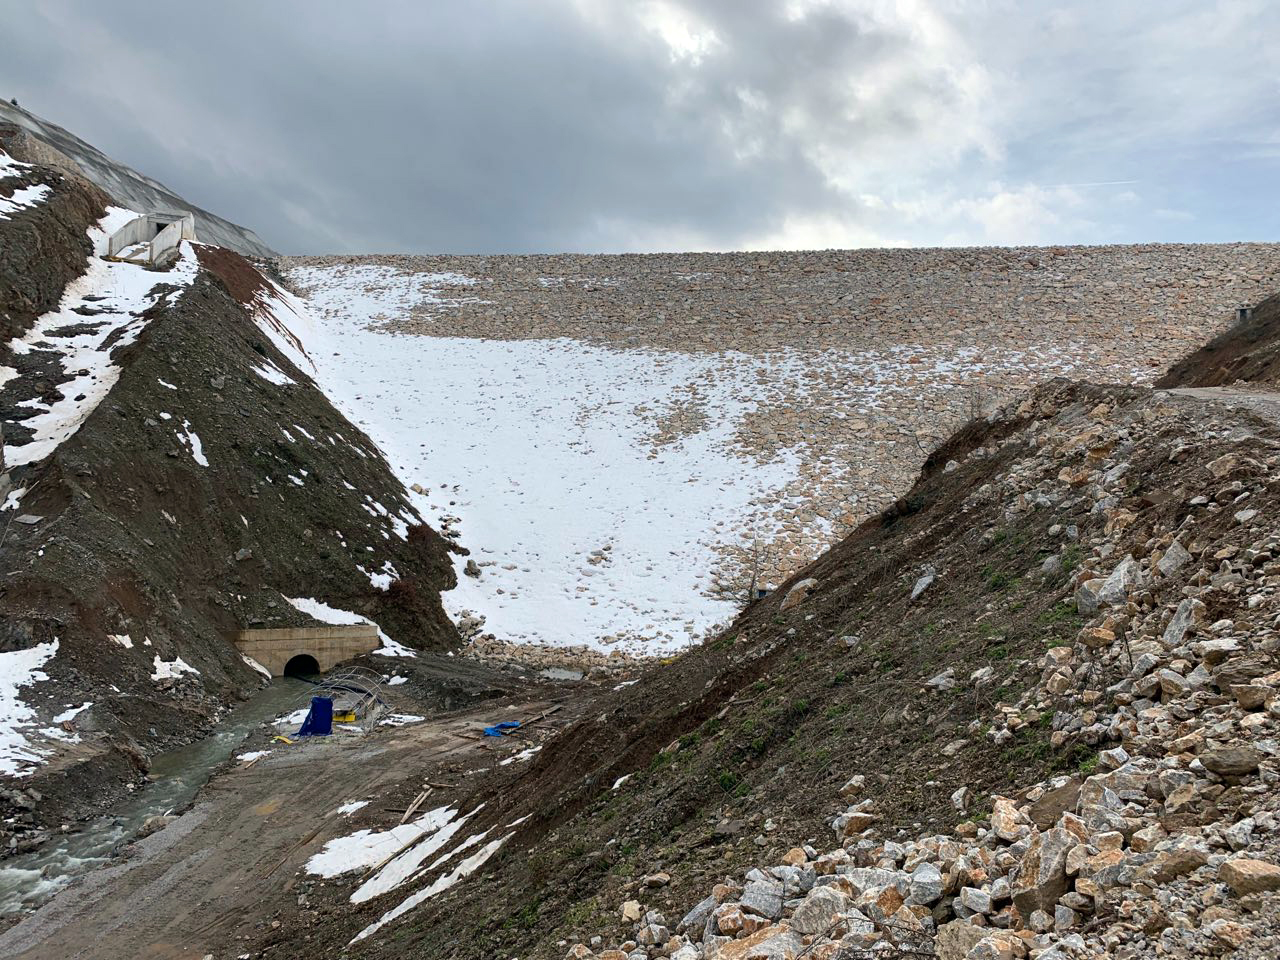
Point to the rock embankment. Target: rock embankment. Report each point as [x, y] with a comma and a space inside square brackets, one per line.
[1026, 297]
[851, 364]
[1166, 842]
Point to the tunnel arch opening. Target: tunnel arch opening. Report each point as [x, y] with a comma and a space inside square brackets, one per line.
[302, 665]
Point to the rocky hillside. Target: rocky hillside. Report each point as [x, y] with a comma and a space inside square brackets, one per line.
[173, 475]
[1027, 711]
[36, 140]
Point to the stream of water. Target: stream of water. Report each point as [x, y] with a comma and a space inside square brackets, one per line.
[177, 776]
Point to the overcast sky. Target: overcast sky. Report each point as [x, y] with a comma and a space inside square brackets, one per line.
[638, 125]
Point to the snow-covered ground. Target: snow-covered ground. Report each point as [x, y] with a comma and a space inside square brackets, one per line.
[21, 197]
[170, 669]
[18, 669]
[423, 849]
[607, 493]
[26, 741]
[367, 848]
[539, 453]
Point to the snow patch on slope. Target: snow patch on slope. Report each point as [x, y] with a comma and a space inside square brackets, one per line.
[406, 864]
[463, 869]
[269, 372]
[398, 855]
[367, 848]
[23, 198]
[10, 167]
[170, 669]
[121, 292]
[327, 614]
[192, 442]
[287, 323]
[18, 669]
[545, 452]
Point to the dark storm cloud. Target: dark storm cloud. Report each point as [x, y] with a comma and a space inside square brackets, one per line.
[614, 124]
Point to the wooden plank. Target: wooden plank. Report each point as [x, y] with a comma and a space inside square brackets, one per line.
[298, 846]
[416, 804]
[542, 716]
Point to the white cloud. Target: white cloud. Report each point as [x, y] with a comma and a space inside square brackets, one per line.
[821, 231]
[687, 37]
[1024, 215]
[716, 124]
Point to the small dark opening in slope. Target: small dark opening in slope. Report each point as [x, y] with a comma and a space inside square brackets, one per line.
[301, 665]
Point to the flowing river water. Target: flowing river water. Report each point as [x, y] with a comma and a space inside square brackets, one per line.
[176, 777]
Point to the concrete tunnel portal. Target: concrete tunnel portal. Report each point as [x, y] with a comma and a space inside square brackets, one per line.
[306, 651]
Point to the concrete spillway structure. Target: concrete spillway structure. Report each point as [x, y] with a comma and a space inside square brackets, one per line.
[152, 238]
[294, 649]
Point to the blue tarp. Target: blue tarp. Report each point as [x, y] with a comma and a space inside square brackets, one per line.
[500, 729]
[319, 721]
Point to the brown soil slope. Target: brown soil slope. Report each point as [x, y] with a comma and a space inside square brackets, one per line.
[1249, 352]
[736, 751]
[139, 540]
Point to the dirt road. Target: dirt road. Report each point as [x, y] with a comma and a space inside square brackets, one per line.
[1259, 399]
[212, 877]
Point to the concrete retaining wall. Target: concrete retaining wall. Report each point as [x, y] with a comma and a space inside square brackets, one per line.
[165, 244]
[137, 230]
[162, 245]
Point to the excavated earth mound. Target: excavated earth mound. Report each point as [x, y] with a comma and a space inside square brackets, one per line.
[204, 486]
[1248, 352]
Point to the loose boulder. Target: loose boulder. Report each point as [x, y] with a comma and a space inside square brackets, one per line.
[1042, 874]
[1245, 876]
